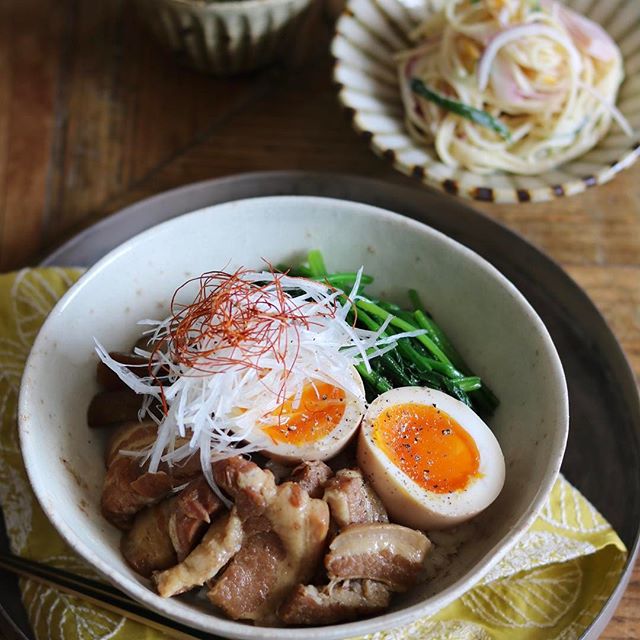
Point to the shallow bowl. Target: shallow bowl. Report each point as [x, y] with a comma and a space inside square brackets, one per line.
[370, 32]
[494, 327]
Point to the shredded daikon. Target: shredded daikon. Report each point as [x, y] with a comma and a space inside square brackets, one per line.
[222, 373]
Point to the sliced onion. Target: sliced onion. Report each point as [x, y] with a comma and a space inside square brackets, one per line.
[587, 35]
[516, 33]
[508, 91]
[504, 84]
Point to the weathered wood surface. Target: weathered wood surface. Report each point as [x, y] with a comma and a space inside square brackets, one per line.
[94, 116]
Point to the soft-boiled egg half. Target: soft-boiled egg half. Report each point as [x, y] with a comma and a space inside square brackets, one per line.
[316, 424]
[431, 459]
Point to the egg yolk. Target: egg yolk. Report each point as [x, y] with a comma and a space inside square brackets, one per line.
[314, 417]
[428, 445]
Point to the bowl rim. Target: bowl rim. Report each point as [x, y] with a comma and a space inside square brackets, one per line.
[478, 191]
[231, 6]
[232, 629]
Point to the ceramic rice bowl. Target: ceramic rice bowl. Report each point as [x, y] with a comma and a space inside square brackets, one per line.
[494, 327]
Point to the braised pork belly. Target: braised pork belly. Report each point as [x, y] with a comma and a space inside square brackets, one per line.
[312, 476]
[166, 533]
[285, 532]
[128, 486]
[352, 500]
[311, 605]
[388, 553]
[219, 545]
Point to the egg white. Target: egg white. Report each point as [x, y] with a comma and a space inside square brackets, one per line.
[406, 501]
[327, 447]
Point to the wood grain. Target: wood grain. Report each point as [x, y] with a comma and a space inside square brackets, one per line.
[30, 52]
[94, 116]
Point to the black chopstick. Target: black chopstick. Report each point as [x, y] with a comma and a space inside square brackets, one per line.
[98, 593]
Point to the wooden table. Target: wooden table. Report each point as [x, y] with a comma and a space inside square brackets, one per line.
[94, 116]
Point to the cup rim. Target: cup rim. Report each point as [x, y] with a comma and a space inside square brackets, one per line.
[228, 6]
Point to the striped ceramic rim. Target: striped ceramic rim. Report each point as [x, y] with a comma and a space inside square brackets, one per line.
[222, 6]
[387, 22]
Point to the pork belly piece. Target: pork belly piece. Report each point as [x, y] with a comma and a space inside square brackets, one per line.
[130, 436]
[247, 586]
[310, 605]
[352, 500]
[109, 408]
[166, 533]
[272, 562]
[220, 543]
[147, 545]
[193, 509]
[128, 486]
[285, 533]
[138, 436]
[108, 380]
[251, 487]
[388, 553]
[311, 475]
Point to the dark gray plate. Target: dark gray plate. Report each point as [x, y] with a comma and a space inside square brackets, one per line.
[603, 452]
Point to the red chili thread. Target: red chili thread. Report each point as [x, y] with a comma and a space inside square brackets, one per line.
[230, 311]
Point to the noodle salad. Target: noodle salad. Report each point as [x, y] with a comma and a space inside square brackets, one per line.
[510, 85]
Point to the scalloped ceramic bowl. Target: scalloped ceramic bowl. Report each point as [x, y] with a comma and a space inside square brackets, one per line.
[369, 32]
[488, 319]
[225, 37]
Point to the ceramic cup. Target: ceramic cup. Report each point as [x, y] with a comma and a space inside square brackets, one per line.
[225, 38]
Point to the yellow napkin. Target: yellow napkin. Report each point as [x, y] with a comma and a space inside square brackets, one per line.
[551, 585]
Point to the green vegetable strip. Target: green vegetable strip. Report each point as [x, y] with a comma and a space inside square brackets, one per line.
[377, 381]
[392, 365]
[417, 303]
[402, 345]
[424, 362]
[394, 309]
[478, 116]
[396, 371]
[389, 363]
[425, 322]
[375, 310]
[366, 320]
[484, 395]
[421, 362]
[339, 280]
[388, 306]
[470, 383]
[296, 272]
[424, 365]
[316, 264]
[345, 280]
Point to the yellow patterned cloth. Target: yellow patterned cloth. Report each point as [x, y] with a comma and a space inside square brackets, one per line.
[550, 586]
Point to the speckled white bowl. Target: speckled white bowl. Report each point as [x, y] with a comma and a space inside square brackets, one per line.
[493, 325]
